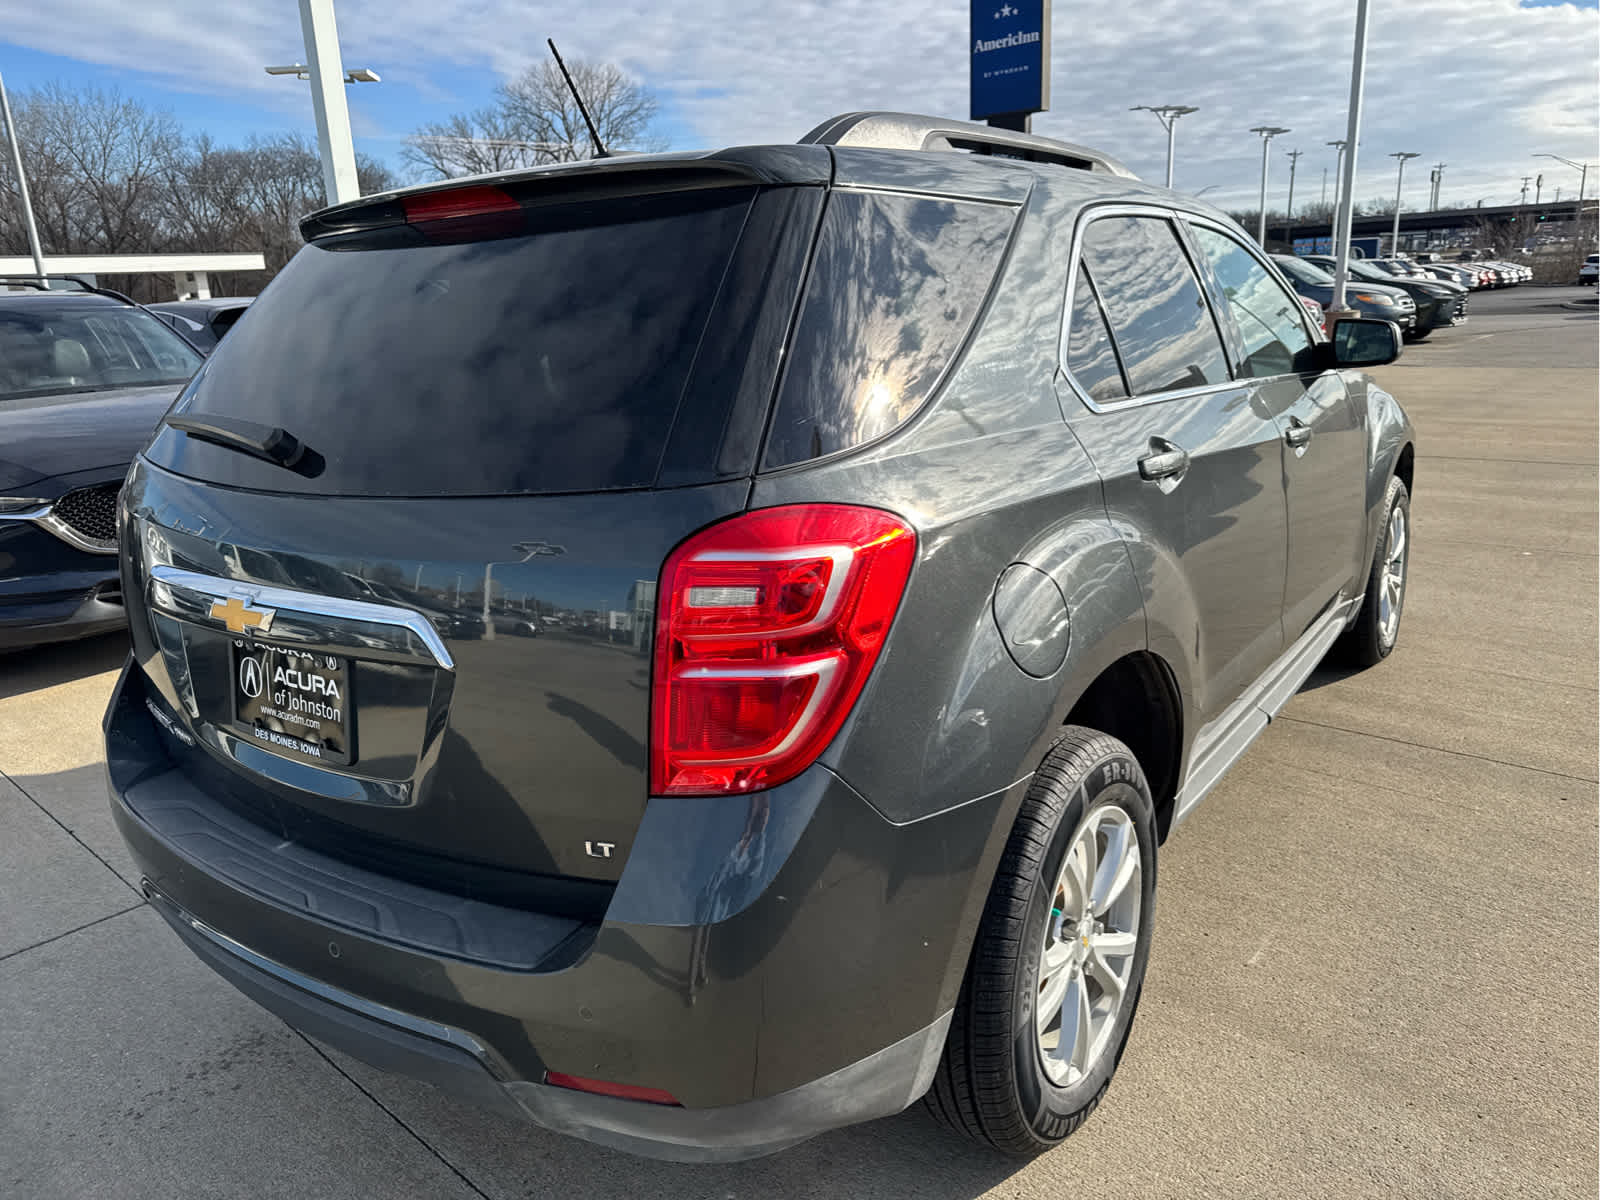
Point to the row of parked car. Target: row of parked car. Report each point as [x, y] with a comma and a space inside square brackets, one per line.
[1418, 296]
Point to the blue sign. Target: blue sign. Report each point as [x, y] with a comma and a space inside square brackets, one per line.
[1321, 245]
[1010, 57]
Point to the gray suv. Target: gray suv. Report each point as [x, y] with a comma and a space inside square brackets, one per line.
[916, 522]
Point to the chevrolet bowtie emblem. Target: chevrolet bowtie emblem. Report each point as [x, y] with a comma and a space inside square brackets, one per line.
[238, 616]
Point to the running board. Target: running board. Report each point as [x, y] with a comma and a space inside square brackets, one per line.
[1221, 743]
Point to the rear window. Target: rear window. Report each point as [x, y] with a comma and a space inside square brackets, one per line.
[896, 283]
[1159, 318]
[556, 360]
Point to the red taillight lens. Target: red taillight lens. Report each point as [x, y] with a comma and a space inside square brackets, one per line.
[457, 202]
[599, 1087]
[767, 626]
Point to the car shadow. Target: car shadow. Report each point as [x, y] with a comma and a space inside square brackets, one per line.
[1328, 673]
[24, 671]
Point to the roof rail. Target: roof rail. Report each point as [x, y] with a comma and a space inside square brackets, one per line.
[82, 285]
[910, 131]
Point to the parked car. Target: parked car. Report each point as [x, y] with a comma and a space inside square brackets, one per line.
[1438, 304]
[1315, 311]
[1382, 301]
[84, 379]
[1589, 272]
[1456, 273]
[875, 811]
[203, 322]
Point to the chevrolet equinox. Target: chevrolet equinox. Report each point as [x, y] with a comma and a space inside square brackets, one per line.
[902, 531]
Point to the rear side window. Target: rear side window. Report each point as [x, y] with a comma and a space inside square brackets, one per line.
[896, 284]
[1158, 314]
[1268, 317]
[1090, 358]
[557, 360]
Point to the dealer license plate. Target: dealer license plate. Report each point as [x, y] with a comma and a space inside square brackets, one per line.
[291, 701]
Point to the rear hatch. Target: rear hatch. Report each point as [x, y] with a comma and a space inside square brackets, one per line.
[422, 640]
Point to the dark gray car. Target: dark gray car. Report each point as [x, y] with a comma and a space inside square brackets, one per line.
[913, 538]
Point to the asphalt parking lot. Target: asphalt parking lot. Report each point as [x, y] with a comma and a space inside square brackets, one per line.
[1376, 950]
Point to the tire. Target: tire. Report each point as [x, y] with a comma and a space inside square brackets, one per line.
[1372, 637]
[993, 1083]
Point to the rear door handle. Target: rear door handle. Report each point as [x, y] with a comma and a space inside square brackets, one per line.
[1298, 434]
[1165, 460]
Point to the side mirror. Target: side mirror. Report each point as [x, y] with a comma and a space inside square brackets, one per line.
[1359, 342]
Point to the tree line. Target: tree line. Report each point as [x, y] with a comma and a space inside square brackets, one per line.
[109, 175]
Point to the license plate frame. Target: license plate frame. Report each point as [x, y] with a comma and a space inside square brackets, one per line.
[290, 713]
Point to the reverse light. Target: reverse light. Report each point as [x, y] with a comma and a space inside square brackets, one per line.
[767, 627]
[599, 1087]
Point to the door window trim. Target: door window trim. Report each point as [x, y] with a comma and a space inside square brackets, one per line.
[1086, 217]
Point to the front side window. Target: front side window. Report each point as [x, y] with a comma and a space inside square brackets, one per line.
[1157, 312]
[1267, 316]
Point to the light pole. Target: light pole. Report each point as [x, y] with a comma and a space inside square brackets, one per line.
[1583, 178]
[22, 185]
[1347, 181]
[327, 75]
[1168, 115]
[1267, 132]
[1402, 156]
[1294, 161]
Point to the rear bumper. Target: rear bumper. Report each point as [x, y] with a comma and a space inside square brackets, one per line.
[782, 964]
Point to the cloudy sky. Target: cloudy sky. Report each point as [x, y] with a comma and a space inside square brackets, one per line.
[1480, 85]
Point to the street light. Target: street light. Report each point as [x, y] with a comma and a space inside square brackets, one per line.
[1168, 115]
[1267, 132]
[1394, 238]
[1583, 178]
[325, 71]
[1294, 161]
[22, 185]
[301, 71]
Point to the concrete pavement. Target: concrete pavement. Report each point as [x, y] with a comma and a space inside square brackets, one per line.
[1375, 961]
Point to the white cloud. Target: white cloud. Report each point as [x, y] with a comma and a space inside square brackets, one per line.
[1478, 84]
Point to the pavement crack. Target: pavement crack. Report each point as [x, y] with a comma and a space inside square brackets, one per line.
[76, 929]
[393, 1116]
[1437, 749]
[93, 853]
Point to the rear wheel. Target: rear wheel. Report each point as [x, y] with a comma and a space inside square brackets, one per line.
[1055, 974]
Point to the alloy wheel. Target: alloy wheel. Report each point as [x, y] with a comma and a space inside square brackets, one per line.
[1087, 958]
[1392, 590]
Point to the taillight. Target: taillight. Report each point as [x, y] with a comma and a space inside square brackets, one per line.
[464, 213]
[767, 626]
[457, 202]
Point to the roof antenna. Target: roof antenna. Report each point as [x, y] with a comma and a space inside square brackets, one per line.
[594, 134]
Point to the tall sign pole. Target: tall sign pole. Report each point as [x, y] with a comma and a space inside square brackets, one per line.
[22, 184]
[327, 101]
[1347, 182]
[1010, 62]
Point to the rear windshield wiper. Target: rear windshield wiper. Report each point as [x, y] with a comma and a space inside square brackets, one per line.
[266, 442]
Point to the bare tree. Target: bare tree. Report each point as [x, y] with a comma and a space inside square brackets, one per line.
[534, 120]
[110, 176]
[475, 143]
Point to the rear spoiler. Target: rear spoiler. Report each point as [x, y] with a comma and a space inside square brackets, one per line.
[591, 179]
